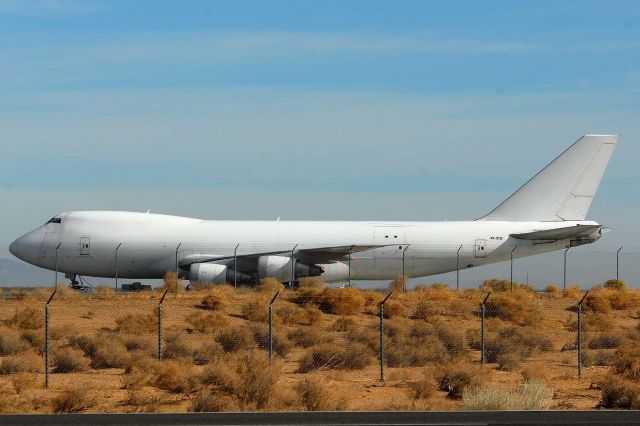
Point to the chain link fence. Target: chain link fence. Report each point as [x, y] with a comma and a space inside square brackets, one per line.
[216, 348]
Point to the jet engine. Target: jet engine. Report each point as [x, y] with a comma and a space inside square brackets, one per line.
[216, 273]
[282, 267]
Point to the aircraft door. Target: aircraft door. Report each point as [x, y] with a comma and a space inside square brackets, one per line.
[480, 248]
[85, 246]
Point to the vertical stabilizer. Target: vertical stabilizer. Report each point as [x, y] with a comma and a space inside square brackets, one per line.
[565, 188]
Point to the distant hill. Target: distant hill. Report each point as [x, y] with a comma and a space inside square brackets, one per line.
[17, 273]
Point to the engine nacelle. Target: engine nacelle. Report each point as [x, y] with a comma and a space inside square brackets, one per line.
[285, 268]
[216, 273]
[333, 272]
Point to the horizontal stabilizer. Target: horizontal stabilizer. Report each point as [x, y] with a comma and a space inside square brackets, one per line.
[577, 231]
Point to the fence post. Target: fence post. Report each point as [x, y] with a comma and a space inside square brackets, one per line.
[271, 325]
[349, 265]
[458, 268]
[618, 264]
[511, 275]
[160, 325]
[564, 279]
[579, 343]
[235, 266]
[116, 265]
[55, 280]
[46, 339]
[177, 269]
[382, 336]
[483, 311]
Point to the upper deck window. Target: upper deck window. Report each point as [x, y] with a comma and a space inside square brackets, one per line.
[54, 220]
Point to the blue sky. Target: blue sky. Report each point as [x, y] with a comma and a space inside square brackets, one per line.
[310, 109]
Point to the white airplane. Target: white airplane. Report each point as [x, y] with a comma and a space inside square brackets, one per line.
[545, 214]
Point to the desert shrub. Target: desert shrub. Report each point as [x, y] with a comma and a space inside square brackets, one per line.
[269, 286]
[592, 323]
[103, 292]
[207, 352]
[255, 310]
[216, 300]
[314, 315]
[256, 379]
[105, 351]
[234, 339]
[73, 400]
[207, 323]
[34, 338]
[281, 345]
[11, 343]
[600, 357]
[143, 401]
[455, 378]
[393, 309]
[314, 395]
[207, 401]
[552, 290]
[508, 361]
[530, 395]
[138, 343]
[398, 284]
[597, 302]
[628, 362]
[423, 311]
[424, 387]
[27, 362]
[621, 300]
[136, 378]
[69, 360]
[305, 337]
[615, 285]
[220, 376]
[453, 340]
[365, 336]
[535, 373]
[174, 376]
[345, 324]
[176, 345]
[137, 323]
[618, 392]
[514, 307]
[27, 318]
[292, 314]
[309, 287]
[573, 292]
[430, 349]
[340, 301]
[372, 298]
[496, 285]
[351, 356]
[604, 341]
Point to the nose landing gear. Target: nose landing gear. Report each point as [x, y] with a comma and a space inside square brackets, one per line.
[79, 284]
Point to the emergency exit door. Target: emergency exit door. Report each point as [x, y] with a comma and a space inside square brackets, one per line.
[480, 248]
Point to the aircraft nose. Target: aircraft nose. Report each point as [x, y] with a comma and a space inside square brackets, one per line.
[13, 248]
[27, 247]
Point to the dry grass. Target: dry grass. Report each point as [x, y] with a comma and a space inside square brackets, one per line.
[27, 362]
[27, 318]
[255, 310]
[216, 300]
[314, 395]
[174, 376]
[73, 400]
[137, 323]
[208, 401]
[345, 324]
[531, 395]
[281, 344]
[329, 356]
[340, 301]
[69, 360]
[618, 392]
[398, 285]
[456, 378]
[269, 286]
[292, 314]
[207, 322]
[424, 387]
[11, 343]
[234, 339]
[256, 379]
[305, 337]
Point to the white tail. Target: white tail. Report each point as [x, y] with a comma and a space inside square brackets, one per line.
[565, 188]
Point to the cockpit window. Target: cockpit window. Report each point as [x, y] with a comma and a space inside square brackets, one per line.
[55, 220]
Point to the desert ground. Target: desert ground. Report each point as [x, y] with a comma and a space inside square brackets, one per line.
[214, 344]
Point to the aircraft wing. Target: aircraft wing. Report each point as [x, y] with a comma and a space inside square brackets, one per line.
[312, 255]
[558, 233]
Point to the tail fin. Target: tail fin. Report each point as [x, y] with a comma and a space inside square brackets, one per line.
[565, 188]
